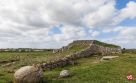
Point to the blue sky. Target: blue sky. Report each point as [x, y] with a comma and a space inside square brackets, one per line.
[122, 3]
[55, 23]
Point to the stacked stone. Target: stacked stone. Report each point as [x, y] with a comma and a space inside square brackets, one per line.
[91, 50]
[58, 63]
[69, 59]
[33, 74]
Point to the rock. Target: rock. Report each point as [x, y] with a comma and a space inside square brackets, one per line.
[64, 73]
[108, 57]
[7, 64]
[13, 62]
[28, 74]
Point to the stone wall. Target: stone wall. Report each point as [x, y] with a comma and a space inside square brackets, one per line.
[77, 42]
[91, 50]
[104, 50]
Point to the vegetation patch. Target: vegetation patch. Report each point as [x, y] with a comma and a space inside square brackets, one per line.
[105, 44]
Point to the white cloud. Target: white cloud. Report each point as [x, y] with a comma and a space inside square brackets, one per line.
[70, 33]
[28, 23]
[126, 13]
[101, 17]
[44, 13]
[113, 29]
[95, 33]
[126, 37]
[129, 31]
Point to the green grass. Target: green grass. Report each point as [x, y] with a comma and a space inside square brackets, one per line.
[72, 49]
[28, 58]
[90, 70]
[105, 44]
[87, 70]
[129, 50]
[77, 47]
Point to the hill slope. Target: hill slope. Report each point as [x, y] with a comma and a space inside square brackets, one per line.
[10, 61]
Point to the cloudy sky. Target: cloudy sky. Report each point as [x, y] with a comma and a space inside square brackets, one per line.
[54, 23]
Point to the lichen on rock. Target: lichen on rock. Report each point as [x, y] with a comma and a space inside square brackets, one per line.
[28, 74]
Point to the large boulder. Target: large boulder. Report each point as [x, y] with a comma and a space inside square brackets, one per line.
[28, 74]
[64, 73]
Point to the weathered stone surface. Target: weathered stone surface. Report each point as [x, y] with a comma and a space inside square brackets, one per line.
[64, 73]
[28, 74]
[92, 49]
[108, 57]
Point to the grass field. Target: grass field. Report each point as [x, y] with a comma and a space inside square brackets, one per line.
[87, 70]
[25, 58]
[91, 70]
[11, 61]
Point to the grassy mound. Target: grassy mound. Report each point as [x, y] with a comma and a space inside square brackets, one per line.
[105, 44]
[88, 70]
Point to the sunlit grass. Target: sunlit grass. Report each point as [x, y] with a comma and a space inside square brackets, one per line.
[114, 71]
[87, 70]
